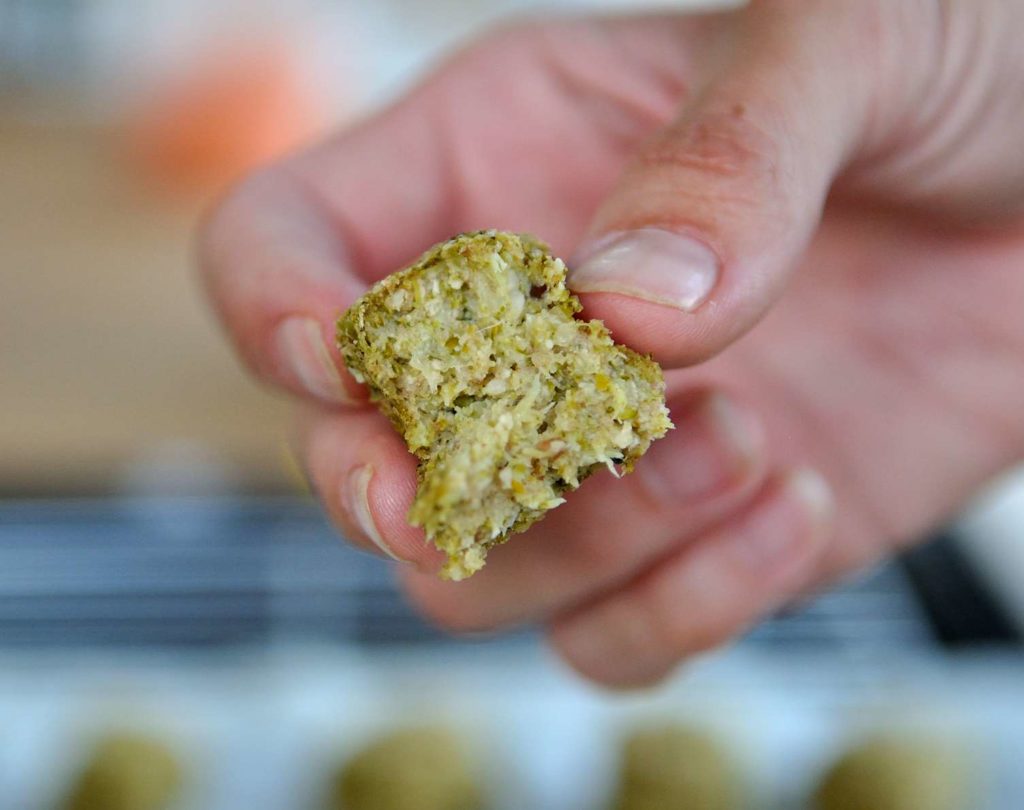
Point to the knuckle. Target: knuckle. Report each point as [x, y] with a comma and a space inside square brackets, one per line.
[711, 174]
[727, 146]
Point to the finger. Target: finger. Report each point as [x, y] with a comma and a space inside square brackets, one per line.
[281, 264]
[366, 480]
[707, 593]
[703, 229]
[611, 529]
[278, 276]
[516, 132]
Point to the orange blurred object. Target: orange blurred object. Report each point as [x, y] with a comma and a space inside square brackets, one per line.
[228, 112]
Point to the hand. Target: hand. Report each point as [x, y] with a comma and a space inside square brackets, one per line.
[809, 212]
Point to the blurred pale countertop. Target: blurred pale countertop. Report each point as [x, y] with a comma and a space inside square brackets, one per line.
[108, 355]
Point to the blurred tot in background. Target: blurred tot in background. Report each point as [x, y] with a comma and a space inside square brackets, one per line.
[162, 572]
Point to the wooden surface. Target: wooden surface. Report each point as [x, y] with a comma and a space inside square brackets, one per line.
[107, 353]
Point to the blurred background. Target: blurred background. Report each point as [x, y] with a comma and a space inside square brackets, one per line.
[164, 581]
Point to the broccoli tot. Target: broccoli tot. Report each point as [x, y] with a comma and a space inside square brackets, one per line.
[506, 398]
[675, 768]
[126, 771]
[412, 769]
[889, 773]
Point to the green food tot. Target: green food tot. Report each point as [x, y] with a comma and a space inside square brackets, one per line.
[413, 769]
[675, 768]
[897, 774]
[505, 397]
[126, 772]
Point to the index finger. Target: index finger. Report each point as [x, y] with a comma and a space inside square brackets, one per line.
[281, 263]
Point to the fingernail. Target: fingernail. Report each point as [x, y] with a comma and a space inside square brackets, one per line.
[651, 264]
[809, 488]
[302, 350]
[715, 444]
[357, 499]
[782, 541]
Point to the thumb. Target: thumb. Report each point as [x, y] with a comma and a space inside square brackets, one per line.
[703, 229]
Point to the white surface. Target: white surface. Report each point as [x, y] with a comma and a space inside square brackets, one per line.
[264, 736]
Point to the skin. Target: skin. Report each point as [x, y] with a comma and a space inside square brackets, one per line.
[855, 166]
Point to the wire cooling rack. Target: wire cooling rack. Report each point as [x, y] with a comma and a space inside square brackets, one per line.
[195, 572]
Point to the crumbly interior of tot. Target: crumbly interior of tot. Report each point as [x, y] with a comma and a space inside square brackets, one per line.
[505, 397]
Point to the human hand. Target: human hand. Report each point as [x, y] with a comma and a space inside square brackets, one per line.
[809, 212]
